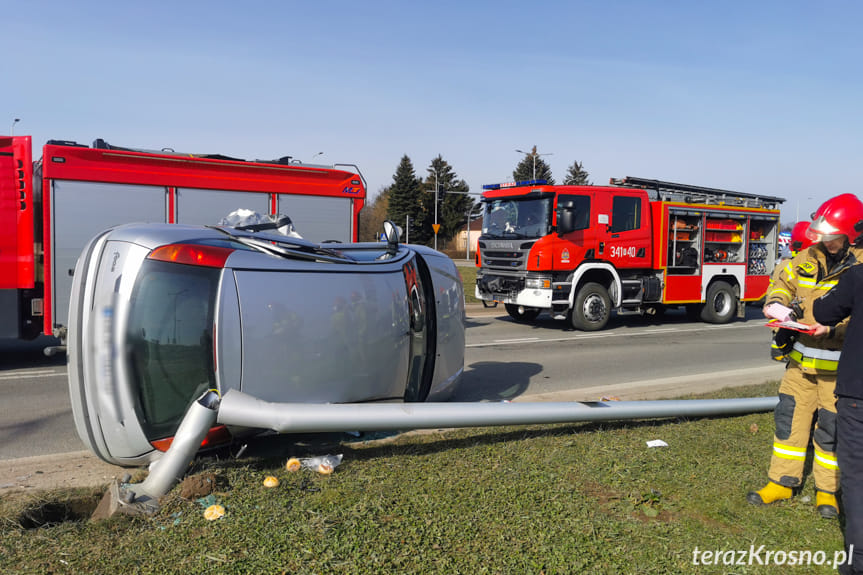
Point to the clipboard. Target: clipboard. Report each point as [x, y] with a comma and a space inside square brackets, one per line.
[792, 325]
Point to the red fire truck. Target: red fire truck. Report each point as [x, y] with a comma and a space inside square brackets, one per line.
[636, 246]
[50, 208]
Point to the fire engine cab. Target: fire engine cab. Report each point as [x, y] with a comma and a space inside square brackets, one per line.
[50, 208]
[637, 246]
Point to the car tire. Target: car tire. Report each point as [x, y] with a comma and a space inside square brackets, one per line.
[592, 307]
[720, 304]
[522, 314]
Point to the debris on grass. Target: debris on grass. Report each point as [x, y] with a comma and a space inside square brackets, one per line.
[656, 443]
[324, 464]
[271, 481]
[214, 512]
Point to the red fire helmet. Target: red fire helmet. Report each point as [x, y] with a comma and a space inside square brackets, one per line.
[799, 241]
[836, 217]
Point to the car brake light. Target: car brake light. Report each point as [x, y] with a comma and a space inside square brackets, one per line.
[218, 435]
[208, 256]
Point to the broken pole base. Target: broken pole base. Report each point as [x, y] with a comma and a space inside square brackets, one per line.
[119, 500]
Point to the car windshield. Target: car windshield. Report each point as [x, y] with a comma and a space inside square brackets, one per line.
[170, 341]
[517, 217]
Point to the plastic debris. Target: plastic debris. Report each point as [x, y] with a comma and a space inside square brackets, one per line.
[324, 464]
[656, 443]
[270, 481]
[207, 501]
[609, 398]
[244, 219]
[293, 464]
[214, 512]
[753, 428]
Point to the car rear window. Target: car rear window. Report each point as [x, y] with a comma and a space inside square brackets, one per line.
[170, 341]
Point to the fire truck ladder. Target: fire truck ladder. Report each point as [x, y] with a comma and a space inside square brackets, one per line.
[670, 191]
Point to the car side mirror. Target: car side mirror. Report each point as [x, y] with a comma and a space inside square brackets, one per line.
[565, 220]
[391, 233]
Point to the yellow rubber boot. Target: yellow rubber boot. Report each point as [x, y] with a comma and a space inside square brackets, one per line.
[826, 504]
[768, 494]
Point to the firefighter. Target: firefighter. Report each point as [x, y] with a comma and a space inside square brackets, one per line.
[783, 339]
[844, 301]
[806, 390]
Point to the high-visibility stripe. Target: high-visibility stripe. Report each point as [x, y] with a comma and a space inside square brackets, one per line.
[780, 291]
[787, 452]
[812, 363]
[817, 353]
[824, 460]
[812, 284]
[790, 271]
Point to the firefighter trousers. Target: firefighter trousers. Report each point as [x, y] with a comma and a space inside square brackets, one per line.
[850, 452]
[802, 398]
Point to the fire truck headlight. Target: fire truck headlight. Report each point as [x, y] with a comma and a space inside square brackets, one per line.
[537, 283]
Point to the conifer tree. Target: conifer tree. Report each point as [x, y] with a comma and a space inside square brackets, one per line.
[533, 164]
[576, 175]
[453, 201]
[405, 197]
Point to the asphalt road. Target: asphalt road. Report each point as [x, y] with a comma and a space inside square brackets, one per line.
[633, 358]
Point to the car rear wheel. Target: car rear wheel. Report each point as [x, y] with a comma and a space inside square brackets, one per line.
[592, 307]
[522, 314]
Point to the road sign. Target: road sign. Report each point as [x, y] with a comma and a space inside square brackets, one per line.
[436, 228]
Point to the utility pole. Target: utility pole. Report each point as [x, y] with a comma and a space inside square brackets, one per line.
[435, 226]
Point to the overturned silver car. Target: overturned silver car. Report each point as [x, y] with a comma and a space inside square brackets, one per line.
[162, 312]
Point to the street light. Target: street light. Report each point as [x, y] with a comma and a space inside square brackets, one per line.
[535, 155]
[12, 129]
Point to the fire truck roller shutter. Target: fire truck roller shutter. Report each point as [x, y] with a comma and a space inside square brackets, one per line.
[79, 211]
[208, 207]
[319, 219]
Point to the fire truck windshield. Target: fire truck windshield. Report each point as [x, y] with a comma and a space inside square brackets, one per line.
[517, 217]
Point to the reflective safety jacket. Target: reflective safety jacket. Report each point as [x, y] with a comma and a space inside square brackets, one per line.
[803, 280]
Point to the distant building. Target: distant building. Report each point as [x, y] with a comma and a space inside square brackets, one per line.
[472, 235]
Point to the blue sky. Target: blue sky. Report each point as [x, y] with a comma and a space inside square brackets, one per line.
[759, 97]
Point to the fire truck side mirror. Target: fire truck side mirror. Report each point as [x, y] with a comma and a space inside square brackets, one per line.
[565, 217]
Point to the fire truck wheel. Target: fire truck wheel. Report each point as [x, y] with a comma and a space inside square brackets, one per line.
[720, 304]
[520, 313]
[592, 307]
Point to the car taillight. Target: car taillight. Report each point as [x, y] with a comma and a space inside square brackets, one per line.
[218, 435]
[208, 256]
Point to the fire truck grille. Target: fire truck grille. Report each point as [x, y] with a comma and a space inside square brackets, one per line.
[504, 260]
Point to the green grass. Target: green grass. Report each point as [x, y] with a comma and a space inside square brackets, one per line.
[468, 279]
[580, 498]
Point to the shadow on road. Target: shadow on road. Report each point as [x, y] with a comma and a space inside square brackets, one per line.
[495, 381]
[17, 354]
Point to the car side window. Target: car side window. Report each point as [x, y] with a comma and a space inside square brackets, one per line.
[625, 213]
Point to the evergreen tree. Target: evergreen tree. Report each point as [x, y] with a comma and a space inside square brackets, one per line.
[525, 169]
[453, 201]
[576, 175]
[405, 197]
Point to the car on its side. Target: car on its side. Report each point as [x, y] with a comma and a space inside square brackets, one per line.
[161, 312]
